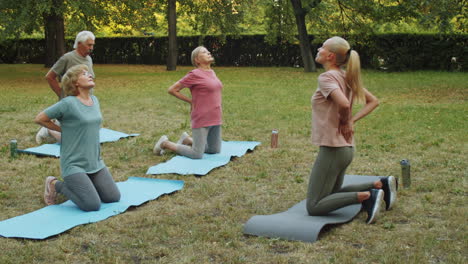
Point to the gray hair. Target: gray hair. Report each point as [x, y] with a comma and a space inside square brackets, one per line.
[71, 77]
[195, 53]
[83, 36]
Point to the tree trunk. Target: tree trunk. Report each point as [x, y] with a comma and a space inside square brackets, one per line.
[172, 35]
[304, 41]
[54, 35]
[50, 49]
[59, 36]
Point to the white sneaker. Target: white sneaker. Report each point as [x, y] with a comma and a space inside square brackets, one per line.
[42, 135]
[157, 147]
[55, 121]
[182, 138]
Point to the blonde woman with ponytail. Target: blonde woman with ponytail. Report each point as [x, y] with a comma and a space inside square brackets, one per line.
[332, 130]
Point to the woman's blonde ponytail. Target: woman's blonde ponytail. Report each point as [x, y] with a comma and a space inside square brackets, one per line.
[349, 58]
[353, 76]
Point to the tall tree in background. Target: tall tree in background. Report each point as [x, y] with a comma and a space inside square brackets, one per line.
[205, 17]
[28, 16]
[172, 35]
[300, 11]
[54, 31]
[18, 17]
[342, 17]
[280, 15]
[282, 19]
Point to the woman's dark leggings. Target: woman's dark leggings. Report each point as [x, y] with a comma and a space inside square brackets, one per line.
[325, 192]
[87, 191]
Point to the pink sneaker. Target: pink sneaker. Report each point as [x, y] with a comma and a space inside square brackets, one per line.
[50, 193]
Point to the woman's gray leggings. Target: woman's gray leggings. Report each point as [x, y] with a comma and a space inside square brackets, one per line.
[325, 192]
[205, 140]
[87, 191]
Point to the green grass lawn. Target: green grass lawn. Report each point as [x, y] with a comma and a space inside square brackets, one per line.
[422, 117]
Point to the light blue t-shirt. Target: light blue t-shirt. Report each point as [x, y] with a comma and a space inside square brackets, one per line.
[80, 149]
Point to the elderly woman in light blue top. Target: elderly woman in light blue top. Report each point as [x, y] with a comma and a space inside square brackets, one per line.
[86, 180]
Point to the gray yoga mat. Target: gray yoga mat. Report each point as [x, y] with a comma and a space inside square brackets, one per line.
[296, 224]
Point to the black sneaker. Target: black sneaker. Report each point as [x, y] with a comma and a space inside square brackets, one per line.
[373, 204]
[389, 186]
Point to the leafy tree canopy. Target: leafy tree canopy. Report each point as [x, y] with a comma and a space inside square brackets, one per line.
[357, 16]
[275, 17]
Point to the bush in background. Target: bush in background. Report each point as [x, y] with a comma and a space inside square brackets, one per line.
[393, 52]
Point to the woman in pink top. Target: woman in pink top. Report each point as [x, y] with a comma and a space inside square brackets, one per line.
[332, 131]
[206, 114]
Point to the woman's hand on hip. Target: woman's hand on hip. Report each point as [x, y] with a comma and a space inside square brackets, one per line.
[347, 130]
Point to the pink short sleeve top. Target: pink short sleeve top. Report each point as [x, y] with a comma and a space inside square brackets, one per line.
[325, 115]
[205, 88]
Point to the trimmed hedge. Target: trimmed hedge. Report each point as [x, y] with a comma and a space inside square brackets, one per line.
[244, 51]
[395, 52]
[403, 52]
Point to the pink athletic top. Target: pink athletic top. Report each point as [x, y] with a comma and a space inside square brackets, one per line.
[325, 115]
[206, 97]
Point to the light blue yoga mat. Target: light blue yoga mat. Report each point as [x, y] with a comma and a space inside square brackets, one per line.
[183, 165]
[55, 219]
[105, 135]
[296, 224]
[109, 135]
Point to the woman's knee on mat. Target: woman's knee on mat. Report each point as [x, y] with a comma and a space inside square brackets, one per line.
[193, 154]
[90, 205]
[111, 197]
[320, 209]
[316, 211]
[190, 152]
[311, 206]
[196, 155]
[213, 150]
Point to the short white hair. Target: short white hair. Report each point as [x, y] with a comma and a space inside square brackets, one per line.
[195, 53]
[83, 36]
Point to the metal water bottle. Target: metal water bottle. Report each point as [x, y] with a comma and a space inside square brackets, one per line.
[13, 148]
[405, 173]
[274, 138]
